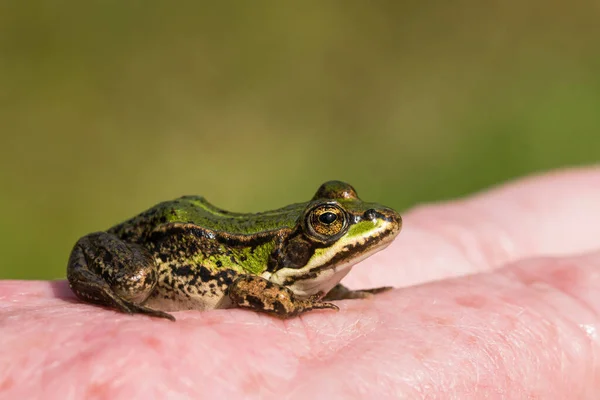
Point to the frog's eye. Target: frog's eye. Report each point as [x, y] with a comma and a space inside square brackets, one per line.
[326, 221]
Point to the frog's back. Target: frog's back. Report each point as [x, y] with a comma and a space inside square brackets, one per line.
[198, 211]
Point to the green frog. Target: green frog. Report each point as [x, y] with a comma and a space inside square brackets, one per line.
[188, 254]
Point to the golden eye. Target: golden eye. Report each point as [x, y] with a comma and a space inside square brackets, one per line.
[327, 220]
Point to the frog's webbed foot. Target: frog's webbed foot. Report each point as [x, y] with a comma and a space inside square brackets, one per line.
[259, 294]
[341, 292]
[105, 270]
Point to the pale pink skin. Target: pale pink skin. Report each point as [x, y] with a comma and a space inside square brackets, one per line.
[499, 298]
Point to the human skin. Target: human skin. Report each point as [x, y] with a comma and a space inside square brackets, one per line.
[498, 297]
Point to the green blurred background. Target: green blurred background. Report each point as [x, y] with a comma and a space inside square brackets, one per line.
[107, 107]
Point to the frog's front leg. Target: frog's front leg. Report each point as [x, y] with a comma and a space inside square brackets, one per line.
[341, 292]
[259, 294]
[105, 270]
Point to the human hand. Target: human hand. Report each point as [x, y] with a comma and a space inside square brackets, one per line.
[498, 297]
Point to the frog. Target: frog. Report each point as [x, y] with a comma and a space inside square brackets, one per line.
[187, 254]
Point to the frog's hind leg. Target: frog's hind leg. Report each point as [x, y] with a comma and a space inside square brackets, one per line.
[105, 270]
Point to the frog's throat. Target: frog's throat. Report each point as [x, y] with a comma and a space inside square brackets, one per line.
[305, 283]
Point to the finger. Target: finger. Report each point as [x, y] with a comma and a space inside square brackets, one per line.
[526, 331]
[552, 214]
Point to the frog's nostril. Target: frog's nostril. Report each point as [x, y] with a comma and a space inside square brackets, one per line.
[370, 214]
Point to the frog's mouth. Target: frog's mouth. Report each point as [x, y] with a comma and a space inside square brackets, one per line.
[313, 279]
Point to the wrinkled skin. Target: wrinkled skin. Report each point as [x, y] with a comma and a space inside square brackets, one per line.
[500, 299]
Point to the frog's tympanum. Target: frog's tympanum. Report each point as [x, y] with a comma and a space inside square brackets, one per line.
[188, 254]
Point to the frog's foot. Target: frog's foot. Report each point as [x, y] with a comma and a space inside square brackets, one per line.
[259, 294]
[137, 309]
[105, 270]
[340, 292]
[98, 292]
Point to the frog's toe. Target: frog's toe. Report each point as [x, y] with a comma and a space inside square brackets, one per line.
[368, 293]
[324, 305]
[340, 292]
[154, 313]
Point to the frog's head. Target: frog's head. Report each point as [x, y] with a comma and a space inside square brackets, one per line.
[335, 231]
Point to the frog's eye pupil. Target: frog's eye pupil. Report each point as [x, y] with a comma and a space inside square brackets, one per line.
[327, 218]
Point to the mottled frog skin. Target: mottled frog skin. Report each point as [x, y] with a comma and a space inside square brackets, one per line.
[188, 254]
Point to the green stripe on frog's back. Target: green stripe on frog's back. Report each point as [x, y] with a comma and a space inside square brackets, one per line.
[196, 210]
